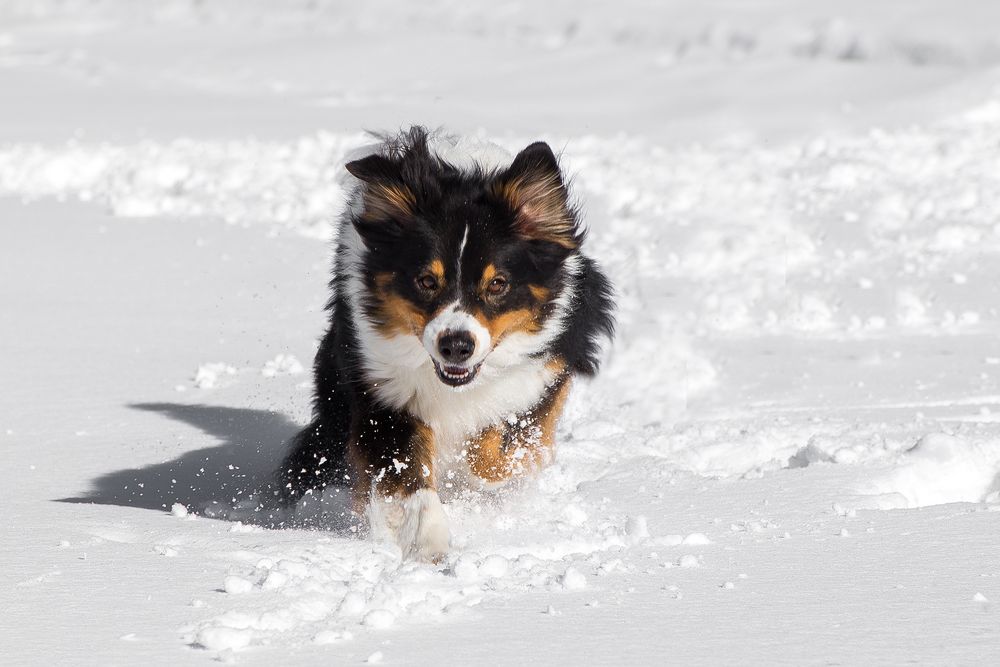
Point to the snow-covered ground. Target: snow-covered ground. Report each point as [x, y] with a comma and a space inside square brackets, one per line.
[791, 457]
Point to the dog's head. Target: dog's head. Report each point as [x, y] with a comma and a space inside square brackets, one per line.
[475, 264]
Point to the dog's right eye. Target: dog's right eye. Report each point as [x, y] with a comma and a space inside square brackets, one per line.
[427, 282]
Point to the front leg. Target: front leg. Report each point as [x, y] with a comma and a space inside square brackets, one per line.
[392, 454]
[523, 445]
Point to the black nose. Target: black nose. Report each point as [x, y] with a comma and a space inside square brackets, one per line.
[456, 346]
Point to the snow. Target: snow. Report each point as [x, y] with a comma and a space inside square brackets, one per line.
[792, 454]
[943, 468]
[235, 585]
[209, 375]
[282, 364]
[572, 579]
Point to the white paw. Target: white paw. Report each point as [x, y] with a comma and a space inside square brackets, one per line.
[423, 534]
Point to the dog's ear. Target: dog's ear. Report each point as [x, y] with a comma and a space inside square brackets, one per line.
[386, 196]
[533, 187]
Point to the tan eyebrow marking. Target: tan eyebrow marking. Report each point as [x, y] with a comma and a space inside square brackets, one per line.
[489, 273]
[437, 268]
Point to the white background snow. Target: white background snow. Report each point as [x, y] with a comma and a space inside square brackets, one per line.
[791, 457]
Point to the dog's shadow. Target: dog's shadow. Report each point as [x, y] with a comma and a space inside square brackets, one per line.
[231, 481]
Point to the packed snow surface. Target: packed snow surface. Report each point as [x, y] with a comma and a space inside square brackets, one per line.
[792, 454]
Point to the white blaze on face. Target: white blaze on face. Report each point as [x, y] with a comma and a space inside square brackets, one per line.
[453, 320]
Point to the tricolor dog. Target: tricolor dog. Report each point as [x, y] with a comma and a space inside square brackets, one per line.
[462, 308]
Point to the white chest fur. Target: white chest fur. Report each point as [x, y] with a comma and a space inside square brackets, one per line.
[405, 379]
[456, 415]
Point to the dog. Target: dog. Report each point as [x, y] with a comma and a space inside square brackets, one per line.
[462, 308]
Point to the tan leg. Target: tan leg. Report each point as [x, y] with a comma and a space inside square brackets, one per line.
[504, 451]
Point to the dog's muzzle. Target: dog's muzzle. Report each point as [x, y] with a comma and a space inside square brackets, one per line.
[454, 349]
[457, 344]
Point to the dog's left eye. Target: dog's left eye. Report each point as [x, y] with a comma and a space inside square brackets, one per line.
[427, 282]
[497, 286]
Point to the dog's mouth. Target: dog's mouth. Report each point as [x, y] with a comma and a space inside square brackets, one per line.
[456, 376]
